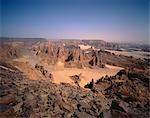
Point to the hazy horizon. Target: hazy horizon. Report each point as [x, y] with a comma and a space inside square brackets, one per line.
[113, 21]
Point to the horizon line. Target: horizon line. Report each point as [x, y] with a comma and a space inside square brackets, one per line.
[74, 39]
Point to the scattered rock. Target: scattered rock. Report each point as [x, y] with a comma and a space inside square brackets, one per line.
[76, 79]
[25, 98]
[44, 72]
[6, 111]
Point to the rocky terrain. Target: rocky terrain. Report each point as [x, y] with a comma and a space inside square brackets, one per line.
[28, 88]
[8, 51]
[22, 97]
[71, 56]
[109, 97]
[127, 62]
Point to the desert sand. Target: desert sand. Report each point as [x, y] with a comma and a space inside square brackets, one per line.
[84, 47]
[62, 75]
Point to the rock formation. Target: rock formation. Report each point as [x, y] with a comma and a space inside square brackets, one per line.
[116, 96]
[44, 72]
[76, 79]
[71, 56]
[124, 95]
[124, 86]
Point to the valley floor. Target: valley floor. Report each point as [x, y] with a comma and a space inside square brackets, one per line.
[87, 74]
[62, 75]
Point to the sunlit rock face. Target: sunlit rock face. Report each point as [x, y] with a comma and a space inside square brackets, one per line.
[72, 56]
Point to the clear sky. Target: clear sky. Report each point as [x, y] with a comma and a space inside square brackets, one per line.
[110, 20]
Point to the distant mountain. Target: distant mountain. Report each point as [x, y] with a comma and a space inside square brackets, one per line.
[8, 39]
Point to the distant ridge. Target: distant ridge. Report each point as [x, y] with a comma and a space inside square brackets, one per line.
[20, 39]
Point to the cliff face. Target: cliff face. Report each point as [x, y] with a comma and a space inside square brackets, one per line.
[70, 56]
[73, 56]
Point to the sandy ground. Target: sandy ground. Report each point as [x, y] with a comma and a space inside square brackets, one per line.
[61, 74]
[84, 47]
[87, 74]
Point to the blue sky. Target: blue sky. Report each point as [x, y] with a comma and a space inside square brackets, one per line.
[110, 20]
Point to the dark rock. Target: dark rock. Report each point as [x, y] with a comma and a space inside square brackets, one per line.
[6, 111]
[78, 114]
[76, 79]
[115, 105]
[105, 114]
[26, 111]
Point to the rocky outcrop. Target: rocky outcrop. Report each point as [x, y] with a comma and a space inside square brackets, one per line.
[126, 86]
[76, 79]
[96, 59]
[127, 62]
[73, 56]
[41, 98]
[70, 56]
[26, 98]
[44, 72]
